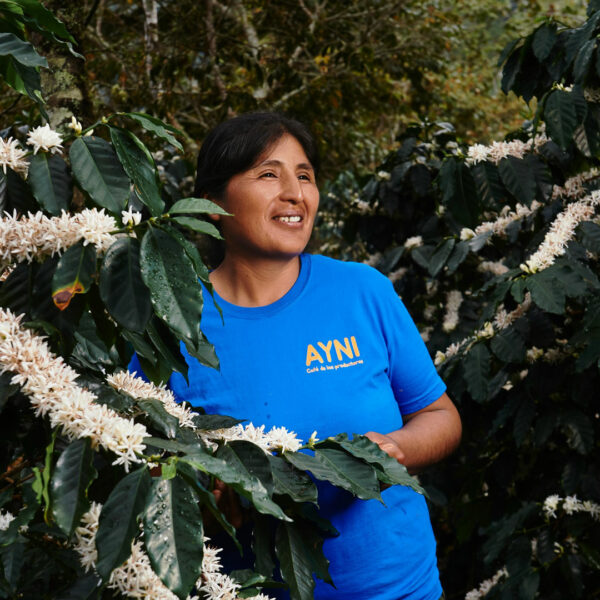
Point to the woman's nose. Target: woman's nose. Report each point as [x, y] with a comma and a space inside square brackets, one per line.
[291, 189]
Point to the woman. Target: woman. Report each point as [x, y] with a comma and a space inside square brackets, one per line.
[311, 343]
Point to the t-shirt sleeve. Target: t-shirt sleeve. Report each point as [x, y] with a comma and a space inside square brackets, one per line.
[413, 376]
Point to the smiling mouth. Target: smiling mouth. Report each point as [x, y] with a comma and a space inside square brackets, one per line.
[290, 219]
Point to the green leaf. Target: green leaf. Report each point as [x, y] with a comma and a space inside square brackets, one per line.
[546, 294]
[563, 112]
[580, 431]
[440, 256]
[582, 61]
[196, 206]
[168, 347]
[21, 51]
[590, 236]
[160, 418]
[99, 172]
[229, 467]
[209, 422]
[340, 469]
[198, 226]
[295, 566]
[518, 178]
[43, 21]
[118, 524]
[250, 459]
[73, 475]
[73, 274]
[459, 253]
[50, 182]
[12, 560]
[523, 420]
[204, 351]
[508, 345]
[476, 366]
[122, 288]
[105, 394]
[459, 192]
[489, 185]
[174, 290]
[389, 470]
[139, 165]
[90, 350]
[543, 41]
[290, 481]
[173, 534]
[156, 126]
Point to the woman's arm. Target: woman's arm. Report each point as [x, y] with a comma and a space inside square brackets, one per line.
[428, 435]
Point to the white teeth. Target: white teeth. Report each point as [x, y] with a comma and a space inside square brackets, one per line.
[295, 219]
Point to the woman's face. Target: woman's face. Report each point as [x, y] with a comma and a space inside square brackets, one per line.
[273, 204]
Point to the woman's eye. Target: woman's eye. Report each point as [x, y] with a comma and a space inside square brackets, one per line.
[268, 174]
[304, 177]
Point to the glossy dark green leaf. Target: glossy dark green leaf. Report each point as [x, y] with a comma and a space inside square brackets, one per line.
[508, 345]
[458, 255]
[440, 256]
[139, 165]
[546, 294]
[204, 351]
[476, 366]
[157, 127]
[590, 236]
[160, 418]
[73, 475]
[122, 288]
[340, 469]
[12, 561]
[196, 206]
[25, 80]
[90, 351]
[174, 290]
[459, 192]
[581, 65]
[50, 182]
[389, 470]
[73, 274]
[99, 172]
[489, 184]
[290, 481]
[518, 178]
[168, 349]
[86, 587]
[173, 534]
[580, 431]
[105, 394]
[300, 554]
[229, 466]
[198, 225]
[215, 421]
[563, 112]
[543, 41]
[118, 523]
[21, 51]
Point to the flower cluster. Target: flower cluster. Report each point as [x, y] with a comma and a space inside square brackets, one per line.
[136, 387]
[560, 233]
[485, 587]
[276, 439]
[35, 235]
[413, 242]
[454, 299]
[575, 186]
[570, 505]
[495, 268]
[6, 519]
[12, 156]
[507, 216]
[51, 386]
[499, 150]
[44, 138]
[135, 577]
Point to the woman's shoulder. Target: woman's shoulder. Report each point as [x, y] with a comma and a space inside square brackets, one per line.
[326, 267]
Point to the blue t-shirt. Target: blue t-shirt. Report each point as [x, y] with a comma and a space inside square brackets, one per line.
[338, 353]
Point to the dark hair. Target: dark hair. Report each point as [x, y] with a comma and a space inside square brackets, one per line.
[235, 146]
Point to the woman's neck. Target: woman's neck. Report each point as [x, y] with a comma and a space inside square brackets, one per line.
[255, 282]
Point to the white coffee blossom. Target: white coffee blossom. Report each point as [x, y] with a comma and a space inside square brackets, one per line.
[570, 505]
[277, 439]
[476, 153]
[51, 386]
[454, 299]
[135, 577]
[495, 268]
[12, 156]
[131, 217]
[383, 175]
[6, 519]
[533, 354]
[413, 242]
[561, 232]
[75, 125]
[466, 234]
[485, 586]
[34, 236]
[44, 138]
[507, 216]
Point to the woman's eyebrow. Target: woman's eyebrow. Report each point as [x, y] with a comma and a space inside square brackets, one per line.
[277, 163]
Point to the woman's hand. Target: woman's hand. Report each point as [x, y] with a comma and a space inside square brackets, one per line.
[427, 436]
[387, 444]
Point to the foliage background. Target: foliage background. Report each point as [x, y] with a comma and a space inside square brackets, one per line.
[335, 65]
